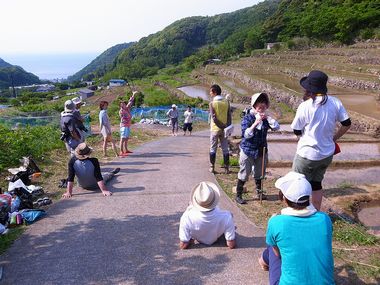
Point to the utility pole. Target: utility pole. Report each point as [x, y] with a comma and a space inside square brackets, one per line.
[13, 86]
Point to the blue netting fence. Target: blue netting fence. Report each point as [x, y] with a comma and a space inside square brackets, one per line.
[44, 118]
[159, 113]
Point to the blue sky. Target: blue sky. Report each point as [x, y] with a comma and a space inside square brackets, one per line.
[85, 26]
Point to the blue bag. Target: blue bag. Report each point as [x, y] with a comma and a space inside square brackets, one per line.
[30, 216]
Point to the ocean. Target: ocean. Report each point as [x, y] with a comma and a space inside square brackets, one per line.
[51, 66]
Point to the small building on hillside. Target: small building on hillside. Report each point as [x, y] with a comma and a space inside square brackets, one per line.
[85, 93]
[45, 88]
[117, 82]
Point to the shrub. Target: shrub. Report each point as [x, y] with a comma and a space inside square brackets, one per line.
[34, 141]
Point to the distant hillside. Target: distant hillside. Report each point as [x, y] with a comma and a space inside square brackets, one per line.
[3, 63]
[199, 38]
[185, 37]
[9, 72]
[99, 65]
[327, 20]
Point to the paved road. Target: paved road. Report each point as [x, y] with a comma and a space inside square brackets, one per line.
[132, 237]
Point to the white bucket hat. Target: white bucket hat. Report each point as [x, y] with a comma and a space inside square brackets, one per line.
[205, 196]
[174, 106]
[256, 96]
[76, 100]
[69, 106]
[294, 186]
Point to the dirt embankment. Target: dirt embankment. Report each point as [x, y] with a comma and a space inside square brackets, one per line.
[360, 122]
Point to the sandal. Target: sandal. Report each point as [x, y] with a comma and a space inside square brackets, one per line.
[47, 201]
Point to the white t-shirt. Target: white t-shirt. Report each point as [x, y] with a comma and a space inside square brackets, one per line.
[188, 117]
[206, 227]
[317, 123]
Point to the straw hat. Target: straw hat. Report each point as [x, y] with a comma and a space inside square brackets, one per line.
[83, 151]
[205, 196]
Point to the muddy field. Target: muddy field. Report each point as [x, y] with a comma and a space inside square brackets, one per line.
[354, 77]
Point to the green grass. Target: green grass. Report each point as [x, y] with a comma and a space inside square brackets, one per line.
[352, 234]
[7, 239]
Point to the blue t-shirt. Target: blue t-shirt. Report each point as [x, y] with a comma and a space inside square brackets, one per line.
[305, 245]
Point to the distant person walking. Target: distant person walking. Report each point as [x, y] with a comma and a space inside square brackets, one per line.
[173, 116]
[314, 125]
[125, 124]
[188, 123]
[79, 119]
[105, 128]
[70, 133]
[220, 118]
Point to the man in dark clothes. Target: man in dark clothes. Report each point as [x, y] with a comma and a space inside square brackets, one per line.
[87, 170]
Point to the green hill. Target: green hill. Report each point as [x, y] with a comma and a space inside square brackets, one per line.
[196, 39]
[100, 64]
[17, 74]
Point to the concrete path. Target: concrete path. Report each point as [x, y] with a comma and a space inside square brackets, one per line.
[132, 237]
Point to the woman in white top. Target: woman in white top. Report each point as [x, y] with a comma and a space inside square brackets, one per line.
[314, 125]
[105, 128]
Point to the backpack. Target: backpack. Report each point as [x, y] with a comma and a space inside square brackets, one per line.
[5, 207]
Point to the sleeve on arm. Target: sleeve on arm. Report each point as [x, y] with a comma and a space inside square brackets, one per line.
[229, 233]
[184, 231]
[97, 172]
[71, 171]
[270, 236]
[299, 122]
[346, 123]
[297, 132]
[245, 124]
[342, 113]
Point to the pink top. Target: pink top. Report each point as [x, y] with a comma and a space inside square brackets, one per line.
[125, 117]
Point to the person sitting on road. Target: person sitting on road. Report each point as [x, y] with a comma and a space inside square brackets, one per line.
[300, 239]
[203, 221]
[87, 170]
[173, 116]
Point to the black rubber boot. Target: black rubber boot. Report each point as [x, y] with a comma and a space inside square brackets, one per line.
[239, 192]
[226, 160]
[259, 190]
[212, 162]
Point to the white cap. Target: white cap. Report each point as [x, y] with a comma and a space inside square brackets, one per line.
[76, 100]
[256, 96]
[294, 186]
[69, 106]
[174, 106]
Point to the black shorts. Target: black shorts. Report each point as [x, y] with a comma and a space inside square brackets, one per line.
[187, 126]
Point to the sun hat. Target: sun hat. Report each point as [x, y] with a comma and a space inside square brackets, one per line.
[174, 106]
[205, 196]
[76, 100]
[315, 82]
[83, 151]
[295, 187]
[69, 106]
[256, 96]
